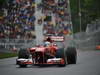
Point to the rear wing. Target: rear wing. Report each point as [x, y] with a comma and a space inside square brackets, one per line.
[57, 38]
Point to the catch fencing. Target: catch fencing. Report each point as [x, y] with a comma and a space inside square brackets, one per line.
[7, 44]
[90, 39]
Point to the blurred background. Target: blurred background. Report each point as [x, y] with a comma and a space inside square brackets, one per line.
[20, 23]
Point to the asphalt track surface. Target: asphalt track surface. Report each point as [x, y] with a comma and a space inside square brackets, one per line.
[88, 63]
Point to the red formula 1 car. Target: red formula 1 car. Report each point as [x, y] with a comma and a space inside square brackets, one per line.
[98, 47]
[48, 53]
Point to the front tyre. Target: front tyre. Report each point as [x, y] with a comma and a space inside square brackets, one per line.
[71, 55]
[23, 65]
[23, 54]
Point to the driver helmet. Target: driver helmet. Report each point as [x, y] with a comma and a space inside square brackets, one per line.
[47, 43]
[54, 44]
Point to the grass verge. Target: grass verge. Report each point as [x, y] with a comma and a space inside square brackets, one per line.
[7, 55]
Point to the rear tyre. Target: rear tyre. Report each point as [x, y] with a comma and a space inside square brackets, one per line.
[71, 55]
[61, 54]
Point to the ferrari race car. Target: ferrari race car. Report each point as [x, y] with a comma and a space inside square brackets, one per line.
[98, 47]
[47, 54]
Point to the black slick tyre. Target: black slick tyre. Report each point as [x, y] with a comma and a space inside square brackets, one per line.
[71, 55]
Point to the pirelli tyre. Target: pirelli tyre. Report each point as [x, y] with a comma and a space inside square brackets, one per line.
[61, 54]
[71, 55]
[23, 53]
[23, 65]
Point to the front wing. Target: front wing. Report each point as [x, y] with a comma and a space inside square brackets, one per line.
[49, 61]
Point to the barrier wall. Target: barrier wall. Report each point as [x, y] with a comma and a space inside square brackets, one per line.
[90, 39]
[6, 45]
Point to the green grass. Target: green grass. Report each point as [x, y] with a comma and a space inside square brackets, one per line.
[7, 55]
